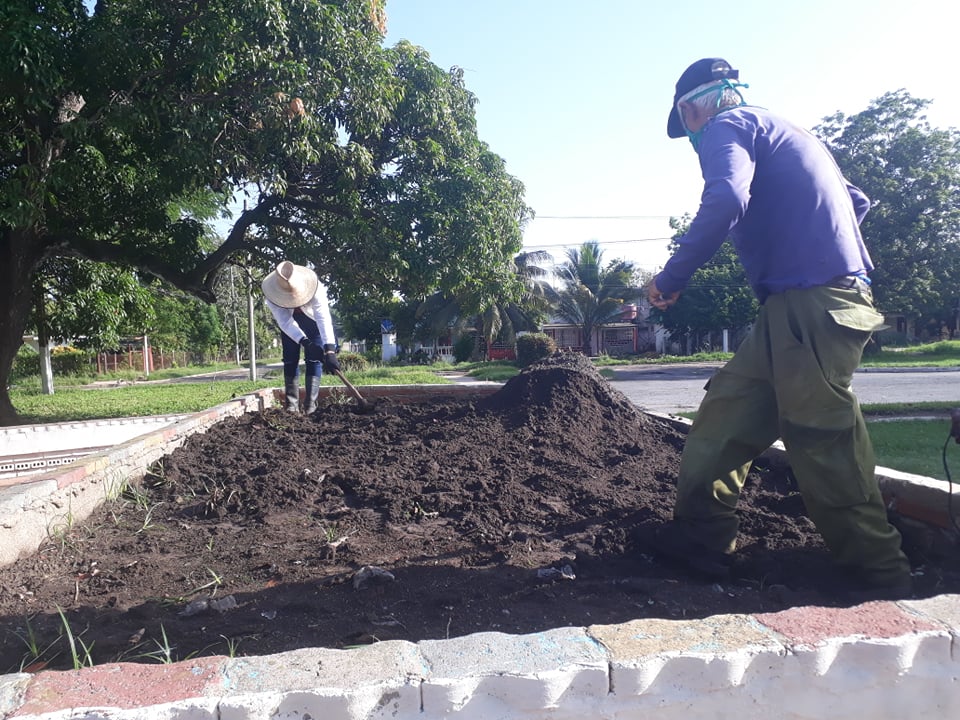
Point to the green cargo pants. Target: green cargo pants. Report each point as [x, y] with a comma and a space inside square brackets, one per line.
[791, 379]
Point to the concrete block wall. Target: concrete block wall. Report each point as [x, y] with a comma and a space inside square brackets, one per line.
[33, 508]
[34, 449]
[24, 439]
[885, 661]
[879, 660]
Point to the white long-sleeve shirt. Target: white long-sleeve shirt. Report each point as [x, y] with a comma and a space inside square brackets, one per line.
[317, 309]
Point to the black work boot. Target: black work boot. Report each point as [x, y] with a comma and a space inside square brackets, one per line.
[311, 392]
[675, 542]
[292, 395]
[868, 589]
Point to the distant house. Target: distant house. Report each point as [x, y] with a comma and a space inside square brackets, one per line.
[631, 334]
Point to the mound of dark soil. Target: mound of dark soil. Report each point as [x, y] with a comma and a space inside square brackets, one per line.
[531, 509]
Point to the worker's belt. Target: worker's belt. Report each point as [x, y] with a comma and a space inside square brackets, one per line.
[848, 282]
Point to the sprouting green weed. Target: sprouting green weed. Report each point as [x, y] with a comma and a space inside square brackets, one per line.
[156, 475]
[330, 532]
[115, 487]
[215, 582]
[79, 650]
[164, 651]
[138, 496]
[233, 645]
[35, 653]
[147, 522]
[338, 397]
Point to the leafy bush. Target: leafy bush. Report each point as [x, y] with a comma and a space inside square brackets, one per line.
[64, 360]
[892, 338]
[374, 355]
[25, 364]
[70, 361]
[463, 348]
[352, 361]
[534, 346]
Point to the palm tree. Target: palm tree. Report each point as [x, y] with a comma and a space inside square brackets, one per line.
[593, 295]
[496, 312]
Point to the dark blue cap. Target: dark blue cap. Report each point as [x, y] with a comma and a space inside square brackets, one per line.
[701, 72]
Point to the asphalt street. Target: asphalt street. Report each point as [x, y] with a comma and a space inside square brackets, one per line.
[679, 388]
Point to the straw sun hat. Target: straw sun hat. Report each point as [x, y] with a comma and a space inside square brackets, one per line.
[290, 286]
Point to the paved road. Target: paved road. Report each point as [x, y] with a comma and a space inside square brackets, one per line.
[679, 388]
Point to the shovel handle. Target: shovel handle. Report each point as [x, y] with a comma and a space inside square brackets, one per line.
[353, 390]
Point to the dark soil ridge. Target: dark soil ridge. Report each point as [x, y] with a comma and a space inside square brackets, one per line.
[530, 509]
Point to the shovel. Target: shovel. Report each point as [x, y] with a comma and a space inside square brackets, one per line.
[363, 406]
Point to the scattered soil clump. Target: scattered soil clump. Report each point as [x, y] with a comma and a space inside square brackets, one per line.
[530, 509]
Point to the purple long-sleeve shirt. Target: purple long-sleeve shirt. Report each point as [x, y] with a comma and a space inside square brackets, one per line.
[777, 192]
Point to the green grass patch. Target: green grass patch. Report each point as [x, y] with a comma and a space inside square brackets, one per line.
[911, 445]
[945, 353]
[131, 376]
[176, 398]
[494, 371]
[127, 400]
[907, 409]
[915, 446]
[391, 375]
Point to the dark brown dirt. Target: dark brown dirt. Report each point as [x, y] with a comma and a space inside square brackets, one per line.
[531, 509]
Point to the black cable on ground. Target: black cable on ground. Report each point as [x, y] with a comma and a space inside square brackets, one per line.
[954, 434]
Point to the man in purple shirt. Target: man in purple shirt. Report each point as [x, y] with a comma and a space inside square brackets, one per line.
[793, 218]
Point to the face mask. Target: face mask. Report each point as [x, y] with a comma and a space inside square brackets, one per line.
[695, 137]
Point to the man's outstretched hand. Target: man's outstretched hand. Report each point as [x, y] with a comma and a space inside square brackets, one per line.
[661, 301]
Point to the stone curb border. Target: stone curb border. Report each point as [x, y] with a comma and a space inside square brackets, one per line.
[883, 659]
[880, 660]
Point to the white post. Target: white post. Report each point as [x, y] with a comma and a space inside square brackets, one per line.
[146, 357]
[726, 340]
[250, 328]
[235, 311]
[46, 370]
[388, 346]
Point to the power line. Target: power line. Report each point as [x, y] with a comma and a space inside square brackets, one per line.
[600, 242]
[603, 217]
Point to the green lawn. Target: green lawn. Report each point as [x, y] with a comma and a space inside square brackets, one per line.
[945, 353]
[916, 446]
[133, 399]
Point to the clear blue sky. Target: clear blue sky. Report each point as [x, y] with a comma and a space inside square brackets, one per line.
[574, 95]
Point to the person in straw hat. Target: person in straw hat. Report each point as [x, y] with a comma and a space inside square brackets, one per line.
[298, 302]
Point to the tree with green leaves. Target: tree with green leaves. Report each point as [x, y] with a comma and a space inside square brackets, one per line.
[496, 312]
[361, 317]
[115, 125]
[717, 297]
[592, 294]
[911, 173]
[90, 305]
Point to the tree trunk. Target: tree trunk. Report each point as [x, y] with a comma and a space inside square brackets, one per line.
[20, 254]
[586, 344]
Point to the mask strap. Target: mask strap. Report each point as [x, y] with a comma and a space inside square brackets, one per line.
[735, 86]
[724, 84]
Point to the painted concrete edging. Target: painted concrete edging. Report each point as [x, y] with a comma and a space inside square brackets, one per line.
[880, 660]
[885, 659]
